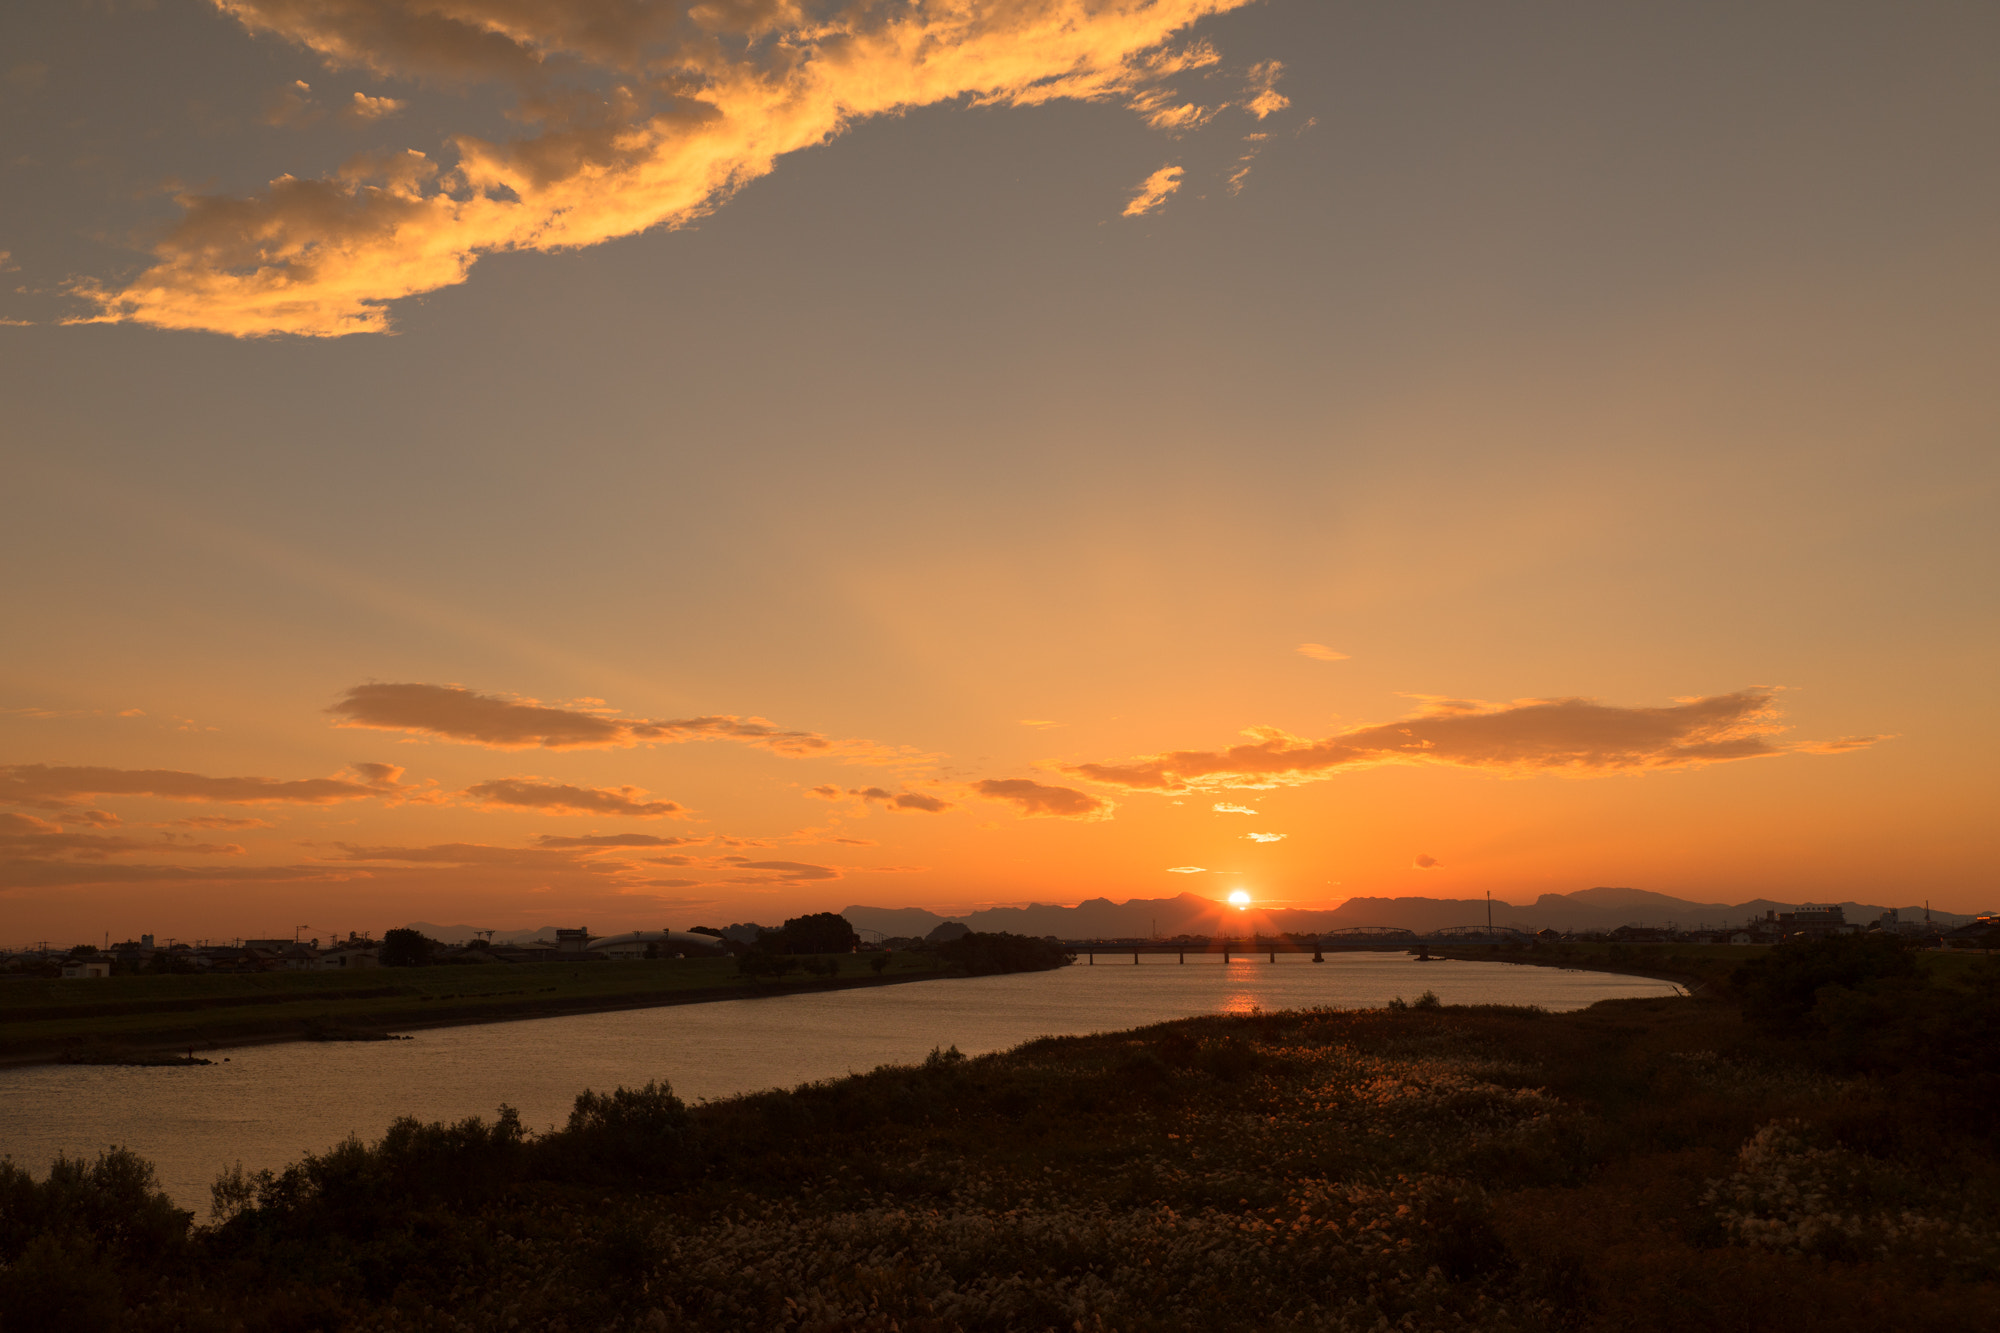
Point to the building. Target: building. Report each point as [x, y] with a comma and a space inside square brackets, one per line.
[1810, 921]
[84, 967]
[658, 944]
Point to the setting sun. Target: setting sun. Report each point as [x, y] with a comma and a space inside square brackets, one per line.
[1239, 899]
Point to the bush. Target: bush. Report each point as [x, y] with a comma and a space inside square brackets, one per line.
[112, 1203]
[642, 1131]
[758, 964]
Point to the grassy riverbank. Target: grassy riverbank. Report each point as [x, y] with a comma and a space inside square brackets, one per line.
[1762, 1161]
[1699, 965]
[114, 1017]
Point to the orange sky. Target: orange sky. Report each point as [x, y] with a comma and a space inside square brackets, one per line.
[611, 463]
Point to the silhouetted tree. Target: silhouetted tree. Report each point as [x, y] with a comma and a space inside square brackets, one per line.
[821, 932]
[403, 947]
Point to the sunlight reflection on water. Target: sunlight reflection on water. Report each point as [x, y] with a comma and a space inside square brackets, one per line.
[269, 1104]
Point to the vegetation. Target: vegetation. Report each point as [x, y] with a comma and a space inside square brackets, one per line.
[1661, 1164]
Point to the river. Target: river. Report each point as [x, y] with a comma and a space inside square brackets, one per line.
[264, 1106]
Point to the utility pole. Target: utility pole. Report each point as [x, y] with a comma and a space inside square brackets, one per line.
[1489, 914]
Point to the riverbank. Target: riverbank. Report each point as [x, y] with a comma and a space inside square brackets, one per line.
[1700, 969]
[1640, 1165]
[145, 1018]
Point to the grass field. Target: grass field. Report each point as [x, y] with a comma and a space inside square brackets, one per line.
[44, 1019]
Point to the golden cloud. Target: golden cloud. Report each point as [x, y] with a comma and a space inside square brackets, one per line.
[690, 103]
[1153, 191]
[1578, 737]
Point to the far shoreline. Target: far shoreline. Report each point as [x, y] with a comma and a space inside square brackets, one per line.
[110, 1052]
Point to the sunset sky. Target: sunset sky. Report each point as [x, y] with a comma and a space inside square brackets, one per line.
[555, 462]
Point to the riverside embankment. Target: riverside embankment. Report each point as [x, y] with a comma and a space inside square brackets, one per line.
[1638, 1165]
[109, 1019]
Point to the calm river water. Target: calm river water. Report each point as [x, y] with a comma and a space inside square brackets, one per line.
[270, 1104]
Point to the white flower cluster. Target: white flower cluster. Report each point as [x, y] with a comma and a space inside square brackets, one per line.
[1797, 1196]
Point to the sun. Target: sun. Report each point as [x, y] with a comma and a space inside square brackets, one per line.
[1239, 898]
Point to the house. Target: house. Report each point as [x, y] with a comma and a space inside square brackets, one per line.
[85, 968]
[348, 958]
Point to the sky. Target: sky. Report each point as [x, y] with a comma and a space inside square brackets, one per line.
[631, 464]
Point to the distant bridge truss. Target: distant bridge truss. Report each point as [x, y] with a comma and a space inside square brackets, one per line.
[1479, 932]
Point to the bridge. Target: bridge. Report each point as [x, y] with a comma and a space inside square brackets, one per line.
[1352, 939]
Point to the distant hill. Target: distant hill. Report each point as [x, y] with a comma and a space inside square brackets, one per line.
[1191, 914]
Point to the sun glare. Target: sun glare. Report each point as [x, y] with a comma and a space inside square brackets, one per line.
[1239, 899]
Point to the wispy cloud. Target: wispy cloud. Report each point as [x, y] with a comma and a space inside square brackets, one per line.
[1840, 744]
[777, 872]
[610, 841]
[563, 799]
[1187, 870]
[1320, 652]
[1153, 191]
[1262, 98]
[501, 722]
[901, 800]
[1578, 737]
[52, 786]
[1265, 837]
[1036, 798]
[675, 113]
[1425, 861]
[27, 836]
[1225, 808]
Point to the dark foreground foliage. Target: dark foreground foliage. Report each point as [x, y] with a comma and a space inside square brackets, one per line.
[1643, 1165]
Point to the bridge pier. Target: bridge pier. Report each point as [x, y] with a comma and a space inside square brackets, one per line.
[1091, 955]
[1135, 958]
